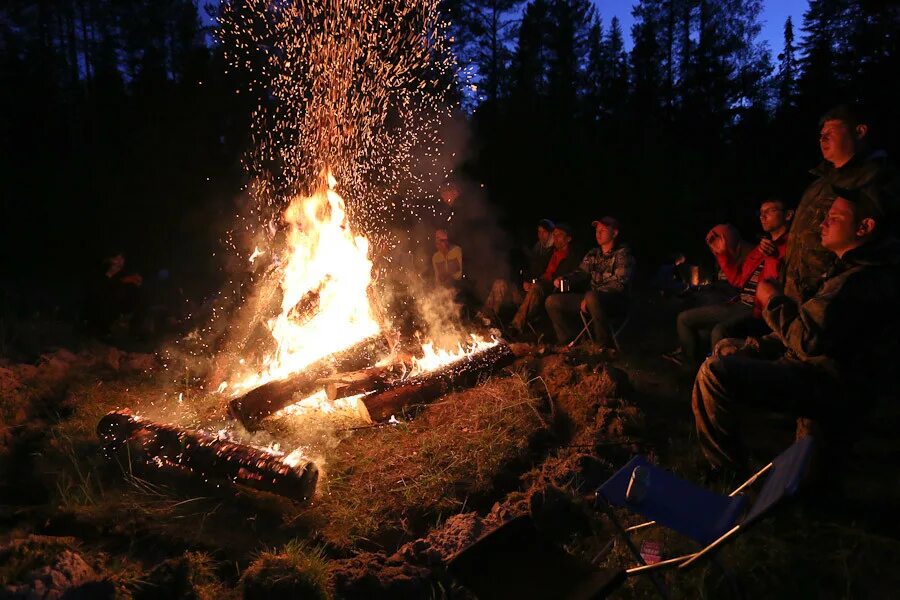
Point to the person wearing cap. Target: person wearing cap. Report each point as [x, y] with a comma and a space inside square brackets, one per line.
[562, 260]
[849, 162]
[505, 293]
[828, 356]
[607, 272]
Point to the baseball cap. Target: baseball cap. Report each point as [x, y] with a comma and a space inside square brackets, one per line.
[609, 222]
[546, 224]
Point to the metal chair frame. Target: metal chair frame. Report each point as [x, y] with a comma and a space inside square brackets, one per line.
[587, 321]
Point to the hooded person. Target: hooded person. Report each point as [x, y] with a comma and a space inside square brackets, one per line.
[700, 328]
[828, 357]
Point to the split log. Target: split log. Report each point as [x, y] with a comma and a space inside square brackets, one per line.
[195, 454]
[271, 397]
[423, 388]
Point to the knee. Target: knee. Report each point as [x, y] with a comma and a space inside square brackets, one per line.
[714, 373]
[552, 303]
[592, 300]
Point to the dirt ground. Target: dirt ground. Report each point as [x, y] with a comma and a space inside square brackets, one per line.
[395, 502]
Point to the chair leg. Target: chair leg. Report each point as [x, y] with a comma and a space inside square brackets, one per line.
[585, 330]
[659, 585]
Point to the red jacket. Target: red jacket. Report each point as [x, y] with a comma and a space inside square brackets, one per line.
[738, 273]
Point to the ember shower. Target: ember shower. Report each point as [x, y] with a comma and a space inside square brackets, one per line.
[356, 86]
[354, 93]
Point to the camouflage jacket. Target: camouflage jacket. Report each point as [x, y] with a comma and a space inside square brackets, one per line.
[850, 327]
[805, 260]
[609, 272]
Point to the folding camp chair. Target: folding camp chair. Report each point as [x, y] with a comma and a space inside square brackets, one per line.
[704, 516]
[587, 320]
[515, 561]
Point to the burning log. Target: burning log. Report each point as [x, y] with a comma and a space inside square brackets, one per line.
[372, 379]
[425, 387]
[177, 450]
[271, 397]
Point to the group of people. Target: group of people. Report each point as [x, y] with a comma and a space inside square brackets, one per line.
[571, 290]
[813, 332]
[811, 324]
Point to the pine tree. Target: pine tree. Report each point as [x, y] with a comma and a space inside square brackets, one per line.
[484, 32]
[825, 48]
[787, 70]
[568, 52]
[616, 79]
[531, 64]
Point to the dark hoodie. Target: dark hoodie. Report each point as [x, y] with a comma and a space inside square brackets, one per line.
[805, 260]
[851, 326]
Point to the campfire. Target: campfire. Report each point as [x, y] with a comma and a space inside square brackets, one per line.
[331, 352]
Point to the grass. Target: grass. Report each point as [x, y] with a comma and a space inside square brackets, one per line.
[383, 486]
[406, 476]
[296, 570]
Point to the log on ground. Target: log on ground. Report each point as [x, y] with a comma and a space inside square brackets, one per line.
[196, 454]
[425, 387]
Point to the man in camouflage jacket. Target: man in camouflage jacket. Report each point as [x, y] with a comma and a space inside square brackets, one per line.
[835, 347]
[606, 272]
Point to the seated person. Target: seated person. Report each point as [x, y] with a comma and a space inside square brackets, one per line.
[607, 272]
[827, 355]
[113, 296]
[505, 293]
[563, 260]
[674, 276]
[446, 262]
[742, 315]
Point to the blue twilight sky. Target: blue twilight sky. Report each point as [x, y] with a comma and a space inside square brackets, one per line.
[774, 14]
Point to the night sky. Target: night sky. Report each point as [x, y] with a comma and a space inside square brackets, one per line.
[774, 14]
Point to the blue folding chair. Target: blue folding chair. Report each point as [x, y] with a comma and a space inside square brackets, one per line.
[708, 518]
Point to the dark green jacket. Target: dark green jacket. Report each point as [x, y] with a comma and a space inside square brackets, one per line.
[851, 325]
[806, 261]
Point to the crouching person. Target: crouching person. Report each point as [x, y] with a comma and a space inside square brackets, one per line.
[607, 272]
[826, 357]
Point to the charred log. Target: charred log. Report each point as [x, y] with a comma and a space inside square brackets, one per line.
[421, 389]
[372, 379]
[196, 454]
[271, 397]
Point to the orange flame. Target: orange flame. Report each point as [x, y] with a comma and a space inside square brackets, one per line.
[325, 281]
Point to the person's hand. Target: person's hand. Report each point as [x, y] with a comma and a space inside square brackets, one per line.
[527, 285]
[716, 243]
[728, 347]
[134, 279]
[557, 283]
[766, 290]
[767, 247]
[584, 308]
[736, 346]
